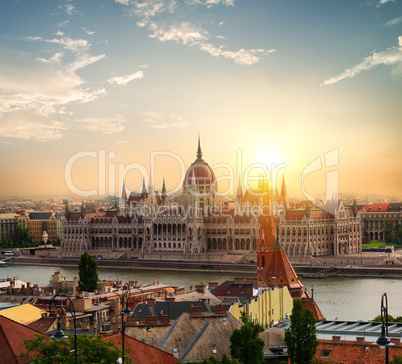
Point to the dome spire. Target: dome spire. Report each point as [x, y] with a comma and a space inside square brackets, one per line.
[199, 152]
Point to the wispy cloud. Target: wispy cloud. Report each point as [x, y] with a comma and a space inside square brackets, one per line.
[34, 90]
[390, 56]
[382, 2]
[123, 2]
[394, 21]
[88, 31]
[159, 121]
[150, 14]
[124, 80]
[104, 125]
[187, 34]
[28, 125]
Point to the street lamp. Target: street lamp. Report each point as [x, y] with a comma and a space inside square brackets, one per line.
[384, 340]
[125, 311]
[61, 311]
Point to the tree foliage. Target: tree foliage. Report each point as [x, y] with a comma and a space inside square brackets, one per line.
[91, 349]
[88, 273]
[392, 232]
[390, 318]
[301, 338]
[245, 344]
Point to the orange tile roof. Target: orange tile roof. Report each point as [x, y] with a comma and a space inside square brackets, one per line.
[11, 336]
[376, 207]
[308, 302]
[142, 353]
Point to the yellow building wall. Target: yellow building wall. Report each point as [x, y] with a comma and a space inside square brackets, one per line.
[267, 309]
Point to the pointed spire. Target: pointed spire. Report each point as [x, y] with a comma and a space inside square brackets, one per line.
[144, 190]
[123, 193]
[283, 189]
[164, 196]
[199, 152]
[239, 190]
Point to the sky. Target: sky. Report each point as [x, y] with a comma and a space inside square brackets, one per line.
[93, 92]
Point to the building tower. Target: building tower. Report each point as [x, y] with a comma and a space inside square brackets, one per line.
[123, 200]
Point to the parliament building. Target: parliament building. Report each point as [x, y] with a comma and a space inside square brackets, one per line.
[201, 223]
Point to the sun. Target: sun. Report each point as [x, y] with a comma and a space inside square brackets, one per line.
[268, 156]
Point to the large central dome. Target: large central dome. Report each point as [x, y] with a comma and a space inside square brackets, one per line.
[199, 172]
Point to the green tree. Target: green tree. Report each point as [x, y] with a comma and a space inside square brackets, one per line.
[23, 235]
[91, 349]
[88, 273]
[301, 338]
[379, 319]
[397, 359]
[389, 231]
[245, 344]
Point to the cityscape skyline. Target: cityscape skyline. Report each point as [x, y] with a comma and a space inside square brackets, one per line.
[283, 83]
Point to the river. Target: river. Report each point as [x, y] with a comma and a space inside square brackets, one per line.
[341, 298]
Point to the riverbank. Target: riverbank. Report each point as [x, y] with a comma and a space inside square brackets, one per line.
[210, 267]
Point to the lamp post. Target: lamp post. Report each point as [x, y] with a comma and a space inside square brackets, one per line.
[61, 311]
[125, 311]
[384, 340]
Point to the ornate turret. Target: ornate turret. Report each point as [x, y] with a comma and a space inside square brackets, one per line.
[274, 268]
[199, 152]
[164, 195]
[144, 190]
[283, 189]
[239, 190]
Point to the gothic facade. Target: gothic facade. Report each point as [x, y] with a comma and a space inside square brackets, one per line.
[201, 221]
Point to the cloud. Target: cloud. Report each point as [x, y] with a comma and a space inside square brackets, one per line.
[123, 2]
[242, 56]
[28, 125]
[382, 2]
[184, 33]
[88, 31]
[390, 56]
[152, 14]
[220, 37]
[63, 24]
[42, 87]
[187, 34]
[104, 125]
[394, 21]
[159, 121]
[143, 66]
[124, 80]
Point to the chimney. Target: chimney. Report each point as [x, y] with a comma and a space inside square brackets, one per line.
[360, 340]
[195, 310]
[336, 339]
[179, 290]
[165, 319]
[200, 288]
[213, 285]
[151, 301]
[151, 320]
[161, 293]
[220, 309]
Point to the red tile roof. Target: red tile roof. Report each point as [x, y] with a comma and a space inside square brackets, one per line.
[11, 336]
[309, 303]
[43, 325]
[376, 207]
[351, 352]
[142, 353]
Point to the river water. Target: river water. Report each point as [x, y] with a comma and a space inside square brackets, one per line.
[341, 298]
